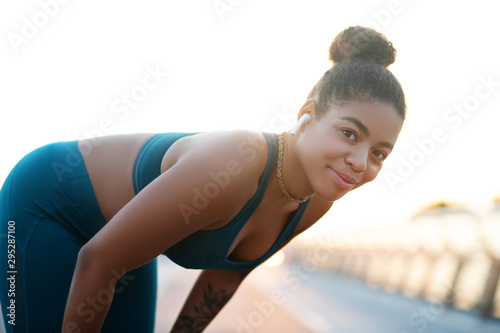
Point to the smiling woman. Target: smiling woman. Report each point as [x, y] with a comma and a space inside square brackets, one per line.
[100, 218]
[356, 138]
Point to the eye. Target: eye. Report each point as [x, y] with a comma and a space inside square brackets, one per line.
[380, 155]
[349, 134]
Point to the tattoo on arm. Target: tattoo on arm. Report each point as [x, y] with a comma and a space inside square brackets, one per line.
[212, 303]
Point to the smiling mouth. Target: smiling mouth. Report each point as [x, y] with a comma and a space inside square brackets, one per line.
[344, 181]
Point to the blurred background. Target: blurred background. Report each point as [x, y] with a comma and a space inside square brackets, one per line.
[420, 240]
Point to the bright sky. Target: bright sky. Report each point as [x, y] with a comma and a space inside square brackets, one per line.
[67, 70]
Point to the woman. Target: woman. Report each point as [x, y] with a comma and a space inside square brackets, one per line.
[88, 220]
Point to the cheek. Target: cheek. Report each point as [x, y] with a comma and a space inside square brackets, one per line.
[371, 174]
[310, 154]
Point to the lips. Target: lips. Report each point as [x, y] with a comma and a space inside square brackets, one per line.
[344, 181]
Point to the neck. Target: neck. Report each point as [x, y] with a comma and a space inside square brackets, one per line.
[293, 175]
[279, 201]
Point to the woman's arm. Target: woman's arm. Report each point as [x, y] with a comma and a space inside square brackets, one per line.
[153, 221]
[212, 291]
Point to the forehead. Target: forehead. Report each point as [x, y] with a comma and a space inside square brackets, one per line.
[379, 119]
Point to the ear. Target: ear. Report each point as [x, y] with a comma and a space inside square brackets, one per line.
[308, 107]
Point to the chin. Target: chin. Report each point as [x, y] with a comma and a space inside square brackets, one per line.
[331, 195]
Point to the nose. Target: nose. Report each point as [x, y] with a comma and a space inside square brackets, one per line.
[358, 160]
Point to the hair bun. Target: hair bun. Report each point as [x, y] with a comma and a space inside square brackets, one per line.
[364, 44]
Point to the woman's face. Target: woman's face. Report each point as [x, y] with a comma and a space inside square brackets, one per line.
[346, 147]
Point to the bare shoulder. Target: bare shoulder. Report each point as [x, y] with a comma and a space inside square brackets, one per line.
[232, 161]
[238, 148]
[316, 209]
[241, 140]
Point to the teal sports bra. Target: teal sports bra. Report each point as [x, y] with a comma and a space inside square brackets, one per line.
[208, 249]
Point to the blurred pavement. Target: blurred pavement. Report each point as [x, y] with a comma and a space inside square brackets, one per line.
[313, 301]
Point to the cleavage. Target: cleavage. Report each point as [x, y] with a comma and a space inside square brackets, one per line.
[258, 235]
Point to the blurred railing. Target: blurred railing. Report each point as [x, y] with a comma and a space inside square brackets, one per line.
[450, 256]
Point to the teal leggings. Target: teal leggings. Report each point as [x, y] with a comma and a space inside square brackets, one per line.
[48, 211]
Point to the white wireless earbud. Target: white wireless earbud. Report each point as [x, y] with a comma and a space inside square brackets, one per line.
[302, 120]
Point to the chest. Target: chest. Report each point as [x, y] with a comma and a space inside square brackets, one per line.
[259, 234]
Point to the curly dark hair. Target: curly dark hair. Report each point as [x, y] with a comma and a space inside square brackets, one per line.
[360, 59]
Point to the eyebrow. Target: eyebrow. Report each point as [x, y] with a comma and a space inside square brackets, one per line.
[365, 130]
[358, 123]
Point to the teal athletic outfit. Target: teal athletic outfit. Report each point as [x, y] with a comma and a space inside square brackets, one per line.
[49, 207]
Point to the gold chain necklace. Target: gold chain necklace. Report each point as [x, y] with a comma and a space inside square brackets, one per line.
[278, 171]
